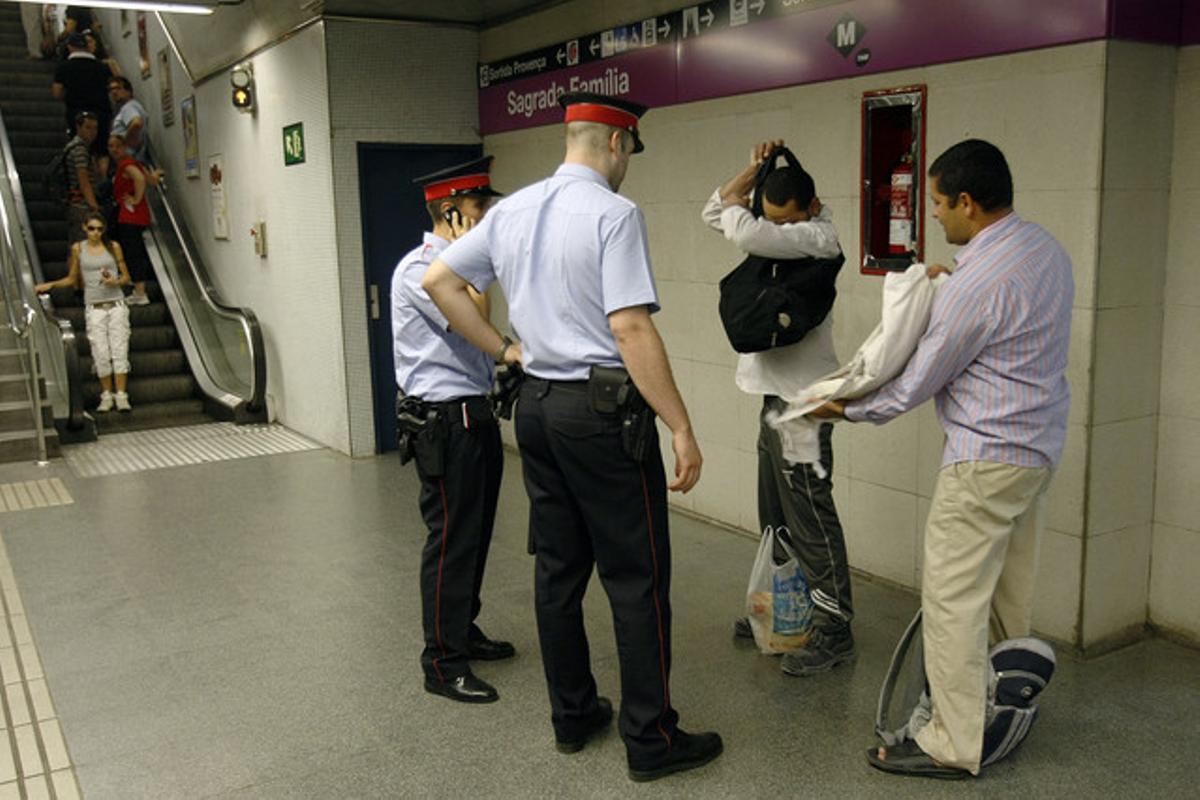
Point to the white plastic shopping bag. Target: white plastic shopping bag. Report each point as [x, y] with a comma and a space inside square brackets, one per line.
[777, 601]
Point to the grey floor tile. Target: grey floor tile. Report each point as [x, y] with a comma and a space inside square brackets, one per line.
[251, 629]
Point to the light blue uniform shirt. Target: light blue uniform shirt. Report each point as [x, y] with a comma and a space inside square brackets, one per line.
[432, 362]
[568, 251]
[128, 112]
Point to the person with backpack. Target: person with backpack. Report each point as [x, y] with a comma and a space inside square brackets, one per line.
[994, 360]
[71, 176]
[98, 265]
[795, 500]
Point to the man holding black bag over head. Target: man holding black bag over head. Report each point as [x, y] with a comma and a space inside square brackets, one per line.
[789, 229]
[571, 256]
[447, 425]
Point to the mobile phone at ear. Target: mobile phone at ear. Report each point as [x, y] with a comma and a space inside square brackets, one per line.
[453, 216]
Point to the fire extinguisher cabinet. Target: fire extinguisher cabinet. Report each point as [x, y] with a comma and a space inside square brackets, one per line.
[893, 179]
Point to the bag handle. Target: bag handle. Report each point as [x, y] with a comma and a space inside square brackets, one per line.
[765, 169]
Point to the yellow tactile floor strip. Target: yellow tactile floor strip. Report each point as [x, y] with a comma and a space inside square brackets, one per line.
[24, 495]
[34, 762]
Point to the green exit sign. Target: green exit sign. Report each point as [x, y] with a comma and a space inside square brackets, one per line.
[293, 144]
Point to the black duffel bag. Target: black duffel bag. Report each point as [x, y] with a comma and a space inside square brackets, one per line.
[772, 302]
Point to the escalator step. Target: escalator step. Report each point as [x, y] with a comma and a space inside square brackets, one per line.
[146, 363]
[153, 415]
[147, 390]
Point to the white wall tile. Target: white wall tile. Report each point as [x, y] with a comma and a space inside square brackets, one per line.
[1138, 93]
[1183, 254]
[881, 537]
[887, 454]
[1180, 363]
[713, 406]
[1080, 366]
[1122, 467]
[1174, 590]
[1056, 600]
[1177, 501]
[1116, 582]
[1128, 359]
[1064, 499]
[931, 442]
[1133, 246]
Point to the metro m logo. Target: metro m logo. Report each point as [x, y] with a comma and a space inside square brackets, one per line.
[846, 34]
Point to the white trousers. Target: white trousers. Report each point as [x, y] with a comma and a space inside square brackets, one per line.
[108, 334]
[31, 18]
[981, 546]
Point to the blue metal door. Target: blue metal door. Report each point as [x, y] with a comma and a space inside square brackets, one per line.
[393, 220]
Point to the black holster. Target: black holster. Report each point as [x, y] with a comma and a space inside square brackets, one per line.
[422, 435]
[612, 391]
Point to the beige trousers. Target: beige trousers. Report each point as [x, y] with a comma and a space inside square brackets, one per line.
[981, 545]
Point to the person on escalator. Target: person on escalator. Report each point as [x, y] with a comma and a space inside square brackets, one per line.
[130, 181]
[99, 265]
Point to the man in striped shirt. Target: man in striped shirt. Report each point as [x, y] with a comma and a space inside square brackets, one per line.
[993, 359]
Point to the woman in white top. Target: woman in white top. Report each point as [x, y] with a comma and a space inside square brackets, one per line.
[98, 265]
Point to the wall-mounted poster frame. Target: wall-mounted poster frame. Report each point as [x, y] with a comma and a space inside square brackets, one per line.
[191, 141]
[892, 212]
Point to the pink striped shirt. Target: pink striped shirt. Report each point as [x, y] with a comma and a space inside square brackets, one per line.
[995, 354]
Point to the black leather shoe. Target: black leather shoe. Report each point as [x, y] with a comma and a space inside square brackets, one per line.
[600, 719]
[688, 751]
[465, 689]
[489, 650]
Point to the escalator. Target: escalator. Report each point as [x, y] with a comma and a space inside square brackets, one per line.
[193, 357]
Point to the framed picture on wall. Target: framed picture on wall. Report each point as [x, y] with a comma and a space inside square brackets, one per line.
[216, 186]
[191, 142]
[164, 85]
[143, 47]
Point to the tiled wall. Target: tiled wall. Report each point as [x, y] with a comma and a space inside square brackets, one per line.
[412, 84]
[1045, 109]
[1174, 588]
[290, 289]
[1139, 101]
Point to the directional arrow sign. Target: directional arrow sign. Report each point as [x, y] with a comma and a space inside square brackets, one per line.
[593, 46]
[561, 55]
[707, 19]
[758, 6]
[664, 30]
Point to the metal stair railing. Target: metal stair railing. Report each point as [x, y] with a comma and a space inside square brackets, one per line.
[50, 341]
[223, 343]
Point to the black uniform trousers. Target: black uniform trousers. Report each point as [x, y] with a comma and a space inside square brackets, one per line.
[795, 497]
[590, 503]
[459, 508]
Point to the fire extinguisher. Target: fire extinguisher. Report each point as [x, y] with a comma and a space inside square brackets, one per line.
[900, 222]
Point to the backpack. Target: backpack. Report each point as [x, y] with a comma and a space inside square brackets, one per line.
[54, 178]
[1021, 668]
[773, 302]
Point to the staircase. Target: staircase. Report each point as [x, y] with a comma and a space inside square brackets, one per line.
[18, 436]
[161, 387]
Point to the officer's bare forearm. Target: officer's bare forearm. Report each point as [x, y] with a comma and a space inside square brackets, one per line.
[645, 357]
[453, 296]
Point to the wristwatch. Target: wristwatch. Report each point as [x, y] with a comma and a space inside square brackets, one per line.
[499, 356]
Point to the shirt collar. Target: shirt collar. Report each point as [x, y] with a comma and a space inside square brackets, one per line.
[581, 171]
[435, 241]
[1000, 227]
[81, 54]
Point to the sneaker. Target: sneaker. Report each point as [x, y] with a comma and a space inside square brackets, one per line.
[122, 399]
[742, 629]
[106, 402]
[688, 751]
[137, 299]
[822, 652]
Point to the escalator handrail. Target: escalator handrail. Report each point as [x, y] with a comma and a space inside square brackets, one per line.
[41, 308]
[244, 316]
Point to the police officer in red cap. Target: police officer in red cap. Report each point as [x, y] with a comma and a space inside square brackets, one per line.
[572, 259]
[446, 423]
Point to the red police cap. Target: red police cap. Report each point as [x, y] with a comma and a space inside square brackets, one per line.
[605, 109]
[470, 178]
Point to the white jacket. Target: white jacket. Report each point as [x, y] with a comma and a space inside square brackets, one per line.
[907, 301]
